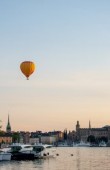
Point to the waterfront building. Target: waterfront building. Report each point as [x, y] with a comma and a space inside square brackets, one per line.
[35, 137]
[20, 135]
[24, 136]
[48, 139]
[71, 137]
[34, 140]
[5, 138]
[51, 137]
[82, 134]
[58, 135]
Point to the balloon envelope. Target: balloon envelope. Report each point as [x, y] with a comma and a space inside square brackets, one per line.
[27, 68]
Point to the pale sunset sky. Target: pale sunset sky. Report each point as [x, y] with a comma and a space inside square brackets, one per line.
[69, 41]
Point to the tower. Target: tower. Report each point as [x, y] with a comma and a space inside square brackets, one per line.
[89, 124]
[8, 128]
[78, 131]
[77, 126]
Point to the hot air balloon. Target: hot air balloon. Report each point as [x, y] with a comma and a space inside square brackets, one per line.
[27, 68]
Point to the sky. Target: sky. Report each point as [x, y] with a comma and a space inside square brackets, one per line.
[69, 42]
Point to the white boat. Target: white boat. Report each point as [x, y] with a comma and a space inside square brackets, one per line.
[44, 151]
[17, 147]
[22, 148]
[81, 144]
[102, 144]
[63, 144]
[5, 156]
[30, 152]
[20, 151]
[1, 157]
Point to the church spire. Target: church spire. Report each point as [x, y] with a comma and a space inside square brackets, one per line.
[8, 119]
[89, 124]
[8, 128]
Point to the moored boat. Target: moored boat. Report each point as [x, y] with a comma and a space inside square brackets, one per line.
[20, 151]
[5, 156]
[102, 144]
[44, 151]
[81, 144]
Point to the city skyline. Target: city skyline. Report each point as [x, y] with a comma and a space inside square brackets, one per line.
[69, 43]
[89, 126]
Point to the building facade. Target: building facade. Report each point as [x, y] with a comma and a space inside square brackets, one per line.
[5, 138]
[82, 134]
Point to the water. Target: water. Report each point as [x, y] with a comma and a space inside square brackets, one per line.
[70, 158]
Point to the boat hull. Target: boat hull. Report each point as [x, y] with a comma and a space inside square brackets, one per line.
[1, 157]
[22, 156]
[5, 156]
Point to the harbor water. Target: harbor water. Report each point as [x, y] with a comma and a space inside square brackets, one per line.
[68, 158]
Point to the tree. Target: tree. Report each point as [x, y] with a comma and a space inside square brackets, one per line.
[15, 137]
[65, 134]
[104, 139]
[0, 125]
[91, 139]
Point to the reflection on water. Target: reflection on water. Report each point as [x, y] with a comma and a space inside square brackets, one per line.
[78, 159]
[21, 165]
[68, 159]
